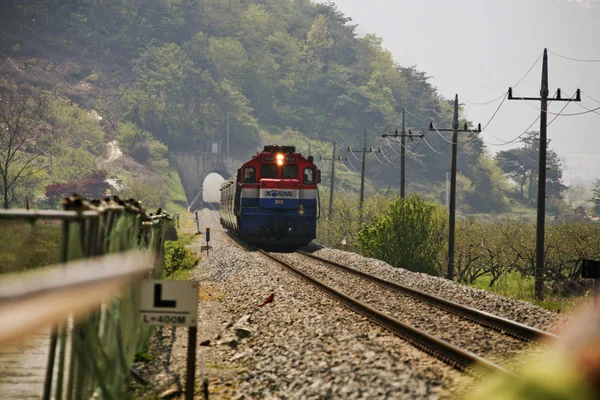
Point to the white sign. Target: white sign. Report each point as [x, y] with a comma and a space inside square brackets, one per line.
[165, 302]
[279, 194]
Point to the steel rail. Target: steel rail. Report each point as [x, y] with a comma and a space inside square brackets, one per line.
[459, 358]
[500, 324]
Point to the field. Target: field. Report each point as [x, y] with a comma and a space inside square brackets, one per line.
[26, 246]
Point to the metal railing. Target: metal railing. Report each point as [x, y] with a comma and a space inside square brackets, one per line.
[91, 300]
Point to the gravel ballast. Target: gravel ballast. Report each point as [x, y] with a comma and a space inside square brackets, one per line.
[301, 343]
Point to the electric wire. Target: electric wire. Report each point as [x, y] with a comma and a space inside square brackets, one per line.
[405, 148]
[590, 97]
[389, 144]
[491, 119]
[562, 109]
[514, 86]
[515, 139]
[352, 165]
[485, 102]
[442, 136]
[390, 125]
[574, 59]
[350, 149]
[595, 111]
[384, 156]
[377, 158]
[434, 150]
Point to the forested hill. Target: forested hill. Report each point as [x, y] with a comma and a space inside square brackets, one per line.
[175, 68]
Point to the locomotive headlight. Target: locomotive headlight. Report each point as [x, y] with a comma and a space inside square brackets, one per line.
[279, 159]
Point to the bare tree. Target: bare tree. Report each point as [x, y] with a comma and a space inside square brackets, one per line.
[22, 138]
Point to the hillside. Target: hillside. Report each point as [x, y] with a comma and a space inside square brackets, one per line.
[166, 73]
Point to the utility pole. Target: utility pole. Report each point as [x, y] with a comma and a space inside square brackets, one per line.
[333, 159]
[227, 119]
[227, 132]
[541, 198]
[452, 208]
[402, 135]
[362, 170]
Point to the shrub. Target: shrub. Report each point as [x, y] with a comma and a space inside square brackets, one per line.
[178, 257]
[408, 234]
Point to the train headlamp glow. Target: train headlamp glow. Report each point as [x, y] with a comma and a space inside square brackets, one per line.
[279, 159]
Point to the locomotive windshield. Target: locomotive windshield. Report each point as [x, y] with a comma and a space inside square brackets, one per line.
[268, 171]
[289, 171]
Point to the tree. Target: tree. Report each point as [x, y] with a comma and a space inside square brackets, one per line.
[23, 140]
[521, 165]
[596, 192]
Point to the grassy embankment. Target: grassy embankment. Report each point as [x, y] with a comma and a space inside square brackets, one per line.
[513, 285]
[180, 260]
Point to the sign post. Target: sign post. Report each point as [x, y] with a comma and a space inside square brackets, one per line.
[164, 302]
[197, 224]
[591, 269]
[207, 235]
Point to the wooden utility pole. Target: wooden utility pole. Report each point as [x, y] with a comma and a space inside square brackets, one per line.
[333, 159]
[402, 135]
[452, 208]
[541, 198]
[363, 167]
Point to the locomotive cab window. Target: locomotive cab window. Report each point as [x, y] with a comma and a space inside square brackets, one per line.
[289, 171]
[268, 171]
[309, 176]
[249, 175]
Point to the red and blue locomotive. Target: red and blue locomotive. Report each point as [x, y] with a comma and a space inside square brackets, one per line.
[274, 199]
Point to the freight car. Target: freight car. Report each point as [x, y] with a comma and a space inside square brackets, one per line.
[274, 199]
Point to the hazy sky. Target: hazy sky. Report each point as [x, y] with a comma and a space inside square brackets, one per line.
[478, 48]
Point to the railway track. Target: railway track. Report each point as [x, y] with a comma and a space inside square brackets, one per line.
[503, 325]
[454, 355]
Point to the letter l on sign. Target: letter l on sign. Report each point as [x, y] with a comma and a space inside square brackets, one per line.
[158, 301]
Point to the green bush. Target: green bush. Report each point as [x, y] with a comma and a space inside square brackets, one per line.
[408, 234]
[178, 257]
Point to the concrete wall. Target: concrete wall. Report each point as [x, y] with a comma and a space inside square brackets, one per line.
[194, 167]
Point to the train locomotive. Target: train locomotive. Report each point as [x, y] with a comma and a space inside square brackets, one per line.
[273, 200]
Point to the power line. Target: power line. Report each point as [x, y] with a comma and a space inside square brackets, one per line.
[438, 132]
[390, 125]
[595, 110]
[351, 152]
[434, 150]
[574, 59]
[515, 139]
[492, 117]
[515, 85]
[590, 97]
[384, 156]
[486, 102]
[563, 109]
[389, 144]
[352, 165]
[377, 158]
